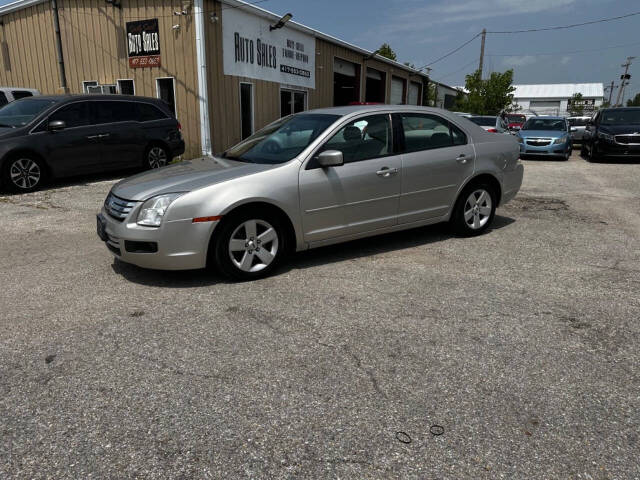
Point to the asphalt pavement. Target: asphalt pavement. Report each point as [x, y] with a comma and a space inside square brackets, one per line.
[513, 355]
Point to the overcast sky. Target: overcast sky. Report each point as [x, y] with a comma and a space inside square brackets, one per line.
[420, 31]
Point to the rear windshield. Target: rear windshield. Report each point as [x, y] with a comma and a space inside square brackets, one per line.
[545, 124]
[516, 118]
[578, 122]
[22, 112]
[484, 121]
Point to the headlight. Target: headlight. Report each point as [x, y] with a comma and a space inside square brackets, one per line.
[605, 136]
[560, 140]
[153, 210]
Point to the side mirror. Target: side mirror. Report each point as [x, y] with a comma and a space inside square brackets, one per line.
[56, 125]
[330, 158]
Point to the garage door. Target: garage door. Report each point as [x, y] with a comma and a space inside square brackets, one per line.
[414, 93]
[397, 91]
[544, 106]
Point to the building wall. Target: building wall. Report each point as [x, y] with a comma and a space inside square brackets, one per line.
[561, 109]
[93, 42]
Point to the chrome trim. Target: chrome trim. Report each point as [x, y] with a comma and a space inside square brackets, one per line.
[117, 207]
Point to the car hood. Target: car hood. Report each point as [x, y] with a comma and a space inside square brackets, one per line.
[184, 177]
[542, 133]
[620, 129]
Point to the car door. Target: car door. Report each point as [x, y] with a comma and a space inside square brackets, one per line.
[362, 194]
[76, 148]
[122, 138]
[437, 157]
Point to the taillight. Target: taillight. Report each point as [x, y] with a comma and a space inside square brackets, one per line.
[492, 130]
[179, 127]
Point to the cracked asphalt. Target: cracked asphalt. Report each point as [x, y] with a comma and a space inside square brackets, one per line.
[523, 344]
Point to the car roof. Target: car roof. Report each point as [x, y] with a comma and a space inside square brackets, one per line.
[349, 109]
[61, 98]
[549, 117]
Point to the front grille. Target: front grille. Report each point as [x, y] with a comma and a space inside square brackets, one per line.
[628, 139]
[117, 207]
[538, 142]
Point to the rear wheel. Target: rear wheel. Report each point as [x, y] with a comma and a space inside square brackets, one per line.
[24, 174]
[249, 245]
[156, 156]
[474, 210]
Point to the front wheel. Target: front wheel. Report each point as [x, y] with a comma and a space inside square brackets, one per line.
[249, 245]
[156, 156]
[23, 174]
[592, 155]
[474, 210]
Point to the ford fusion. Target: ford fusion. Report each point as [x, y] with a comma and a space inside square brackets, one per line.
[311, 179]
[545, 136]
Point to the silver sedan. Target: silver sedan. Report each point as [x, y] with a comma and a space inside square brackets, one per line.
[312, 179]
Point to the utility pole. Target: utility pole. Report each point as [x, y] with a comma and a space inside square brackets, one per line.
[484, 36]
[610, 88]
[56, 28]
[624, 79]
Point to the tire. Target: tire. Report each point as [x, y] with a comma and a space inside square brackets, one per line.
[155, 156]
[23, 173]
[592, 156]
[243, 248]
[583, 150]
[474, 210]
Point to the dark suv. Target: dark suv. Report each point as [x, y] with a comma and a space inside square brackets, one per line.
[44, 137]
[612, 132]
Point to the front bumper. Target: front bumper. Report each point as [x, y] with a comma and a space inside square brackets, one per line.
[551, 150]
[614, 149]
[179, 244]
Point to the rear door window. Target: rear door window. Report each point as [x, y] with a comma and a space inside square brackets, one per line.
[73, 115]
[114, 111]
[426, 131]
[18, 94]
[147, 112]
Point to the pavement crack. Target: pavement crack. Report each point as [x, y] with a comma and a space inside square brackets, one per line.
[368, 372]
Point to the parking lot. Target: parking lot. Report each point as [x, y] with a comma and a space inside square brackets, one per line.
[522, 344]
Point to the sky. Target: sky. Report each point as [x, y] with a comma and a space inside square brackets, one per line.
[420, 31]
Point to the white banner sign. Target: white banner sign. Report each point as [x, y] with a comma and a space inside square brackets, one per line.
[251, 50]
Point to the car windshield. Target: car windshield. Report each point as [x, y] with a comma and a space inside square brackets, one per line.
[578, 122]
[545, 124]
[22, 112]
[484, 121]
[282, 140]
[516, 118]
[620, 117]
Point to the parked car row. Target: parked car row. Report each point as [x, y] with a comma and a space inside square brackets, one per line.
[45, 137]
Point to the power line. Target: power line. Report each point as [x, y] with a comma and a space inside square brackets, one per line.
[457, 71]
[561, 53]
[573, 25]
[452, 51]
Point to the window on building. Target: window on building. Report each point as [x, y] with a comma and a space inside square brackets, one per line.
[363, 139]
[87, 84]
[346, 82]
[73, 115]
[3, 99]
[101, 89]
[375, 86]
[292, 101]
[166, 91]
[425, 131]
[126, 87]
[246, 109]
[18, 94]
[414, 94]
[398, 87]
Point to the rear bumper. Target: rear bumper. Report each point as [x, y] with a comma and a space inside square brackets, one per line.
[177, 148]
[512, 183]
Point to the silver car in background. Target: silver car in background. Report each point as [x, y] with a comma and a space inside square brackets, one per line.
[315, 178]
[578, 126]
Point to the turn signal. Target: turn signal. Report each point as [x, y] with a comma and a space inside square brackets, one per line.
[207, 219]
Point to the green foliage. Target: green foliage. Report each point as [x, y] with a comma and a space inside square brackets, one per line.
[386, 51]
[487, 97]
[576, 108]
[635, 102]
[429, 95]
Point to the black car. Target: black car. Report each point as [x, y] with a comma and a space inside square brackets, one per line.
[612, 132]
[56, 136]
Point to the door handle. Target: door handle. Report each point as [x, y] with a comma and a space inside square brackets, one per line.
[386, 172]
[461, 158]
[93, 137]
[104, 135]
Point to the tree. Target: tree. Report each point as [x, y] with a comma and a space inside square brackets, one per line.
[635, 102]
[410, 65]
[386, 51]
[576, 105]
[487, 97]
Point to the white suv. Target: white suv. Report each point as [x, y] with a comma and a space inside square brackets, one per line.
[9, 94]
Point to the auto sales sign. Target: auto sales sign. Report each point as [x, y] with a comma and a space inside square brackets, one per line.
[252, 49]
[143, 43]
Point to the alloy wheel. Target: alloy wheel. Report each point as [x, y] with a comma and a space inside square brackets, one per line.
[157, 157]
[25, 173]
[477, 209]
[253, 245]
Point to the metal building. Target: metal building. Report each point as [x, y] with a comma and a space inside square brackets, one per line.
[226, 67]
[554, 99]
